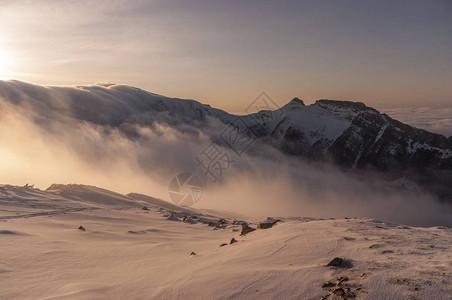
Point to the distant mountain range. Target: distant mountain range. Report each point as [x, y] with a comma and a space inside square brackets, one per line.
[347, 134]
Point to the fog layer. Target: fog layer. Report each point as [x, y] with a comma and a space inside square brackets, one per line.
[44, 139]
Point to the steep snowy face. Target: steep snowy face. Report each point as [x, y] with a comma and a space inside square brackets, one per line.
[377, 141]
[310, 130]
[353, 135]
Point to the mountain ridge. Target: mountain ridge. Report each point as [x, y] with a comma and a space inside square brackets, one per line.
[348, 134]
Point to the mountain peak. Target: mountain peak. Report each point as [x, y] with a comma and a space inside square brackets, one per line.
[295, 102]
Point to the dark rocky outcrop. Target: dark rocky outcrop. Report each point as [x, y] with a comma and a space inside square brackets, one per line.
[340, 289]
[246, 229]
[340, 263]
[267, 225]
[336, 262]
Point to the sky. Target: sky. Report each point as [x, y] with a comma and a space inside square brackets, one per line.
[387, 54]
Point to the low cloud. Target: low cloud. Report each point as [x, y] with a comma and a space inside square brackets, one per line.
[50, 143]
[437, 120]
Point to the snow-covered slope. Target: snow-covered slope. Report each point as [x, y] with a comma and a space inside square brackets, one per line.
[82, 242]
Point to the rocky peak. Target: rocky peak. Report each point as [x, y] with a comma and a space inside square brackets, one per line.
[294, 104]
[296, 101]
[339, 104]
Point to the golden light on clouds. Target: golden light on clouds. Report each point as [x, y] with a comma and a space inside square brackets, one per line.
[225, 55]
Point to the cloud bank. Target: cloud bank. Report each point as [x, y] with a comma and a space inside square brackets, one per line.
[51, 141]
[437, 120]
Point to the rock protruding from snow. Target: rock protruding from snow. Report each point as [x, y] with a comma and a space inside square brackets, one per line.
[336, 262]
[267, 225]
[340, 263]
[246, 229]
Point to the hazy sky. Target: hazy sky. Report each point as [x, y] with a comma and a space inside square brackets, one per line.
[384, 53]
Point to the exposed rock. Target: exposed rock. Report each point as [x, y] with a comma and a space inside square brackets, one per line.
[341, 280]
[192, 254]
[296, 101]
[336, 262]
[224, 244]
[235, 222]
[294, 141]
[172, 217]
[82, 228]
[340, 263]
[246, 229]
[344, 293]
[145, 208]
[9, 232]
[328, 284]
[233, 240]
[340, 289]
[267, 225]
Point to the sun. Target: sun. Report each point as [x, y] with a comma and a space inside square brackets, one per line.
[5, 63]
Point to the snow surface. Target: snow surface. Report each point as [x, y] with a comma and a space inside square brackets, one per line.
[127, 252]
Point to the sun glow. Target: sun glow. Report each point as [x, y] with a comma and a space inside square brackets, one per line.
[6, 61]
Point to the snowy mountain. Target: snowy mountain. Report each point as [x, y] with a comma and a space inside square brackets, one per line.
[348, 134]
[355, 136]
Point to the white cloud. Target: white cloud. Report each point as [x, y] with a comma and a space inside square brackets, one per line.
[39, 145]
[437, 120]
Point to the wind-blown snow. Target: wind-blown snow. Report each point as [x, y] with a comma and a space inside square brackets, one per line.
[125, 251]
